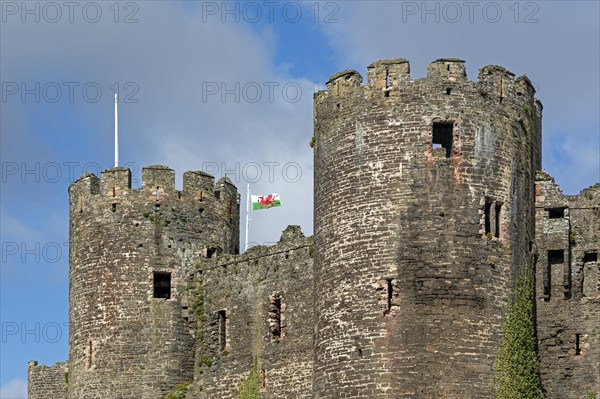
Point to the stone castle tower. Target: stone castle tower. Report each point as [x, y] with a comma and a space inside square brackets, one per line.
[131, 252]
[429, 200]
[423, 214]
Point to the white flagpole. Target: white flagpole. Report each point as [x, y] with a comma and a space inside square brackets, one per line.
[248, 201]
[116, 132]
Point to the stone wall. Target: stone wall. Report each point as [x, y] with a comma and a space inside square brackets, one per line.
[568, 290]
[423, 214]
[131, 252]
[44, 382]
[426, 207]
[258, 307]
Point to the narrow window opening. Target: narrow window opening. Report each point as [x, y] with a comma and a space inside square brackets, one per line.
[556, 213]
[448, 91]
[590, 257]
[162, 285]
[275, 318]
[390, 291]
[222, 314]
[447, 70]
[337, 105]
[201, 210]
[114, 207]
[442, 135]
[498, 210]
[577, 344]
[389, 299]
[114, 192]
[386, 92]
[201, 198]
[488, 220]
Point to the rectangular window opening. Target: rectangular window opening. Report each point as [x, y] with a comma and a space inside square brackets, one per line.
[222, 314]
[488, 219]
[590, 257]
[275, 317]
[556, 213]
[162, 285]
[389, 295]
[556, 256]
[498, 210]
[442, 137]
[577, 344]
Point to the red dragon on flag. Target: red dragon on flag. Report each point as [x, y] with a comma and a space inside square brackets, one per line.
[265, 201]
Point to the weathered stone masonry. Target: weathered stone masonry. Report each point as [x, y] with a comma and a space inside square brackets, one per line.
[266, 296]
[440, 231]
[47, 382]
[429, 200]
[568, 289]
[125, 245]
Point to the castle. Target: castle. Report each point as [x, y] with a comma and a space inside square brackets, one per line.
[429, 202]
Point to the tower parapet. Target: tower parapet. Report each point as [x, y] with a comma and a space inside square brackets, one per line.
[423, 215]
[450, 69]
[131, 253]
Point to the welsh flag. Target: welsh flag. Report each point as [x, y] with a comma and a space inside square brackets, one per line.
[265, 201]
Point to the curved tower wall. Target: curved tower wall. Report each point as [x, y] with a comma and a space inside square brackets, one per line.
[410, 290]
[125, 342]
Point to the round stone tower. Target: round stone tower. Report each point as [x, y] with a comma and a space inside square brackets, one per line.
[131, 251]
[423, 215]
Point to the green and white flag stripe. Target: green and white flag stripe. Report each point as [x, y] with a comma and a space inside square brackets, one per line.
[265, 201]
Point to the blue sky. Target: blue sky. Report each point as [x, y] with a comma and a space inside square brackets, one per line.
[166, 57]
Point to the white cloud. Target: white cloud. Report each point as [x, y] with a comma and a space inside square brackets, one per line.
[172, 56]
[557, 48]
[14, 389]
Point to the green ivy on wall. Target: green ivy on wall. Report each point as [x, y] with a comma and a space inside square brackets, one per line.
[249, 387]
[518, 368]
[179, 392]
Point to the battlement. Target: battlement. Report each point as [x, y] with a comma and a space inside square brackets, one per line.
[47, 381]
[386, 74]
[392, 77]
[450, 69]
[158, 184]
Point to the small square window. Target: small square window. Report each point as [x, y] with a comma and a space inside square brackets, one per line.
[556, 213]
[590, 257]
[162, 285]
[556, 256]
